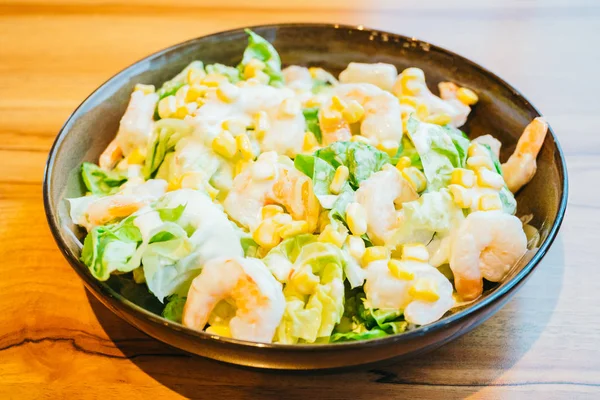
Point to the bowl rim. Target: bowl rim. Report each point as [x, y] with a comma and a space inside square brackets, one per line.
[101, 289]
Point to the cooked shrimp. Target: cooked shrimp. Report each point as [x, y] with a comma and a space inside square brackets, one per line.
[381, 124]
[521, 166]
[297, 78]
[378, 195]
[385, 290]
[258, 297]
[379, 74]
[272, 180]
[123, 203]
[110, 156]
[411, 85]
[487, 245]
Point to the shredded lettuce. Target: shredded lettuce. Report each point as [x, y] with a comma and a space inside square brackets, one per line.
[362, 323]
[174, 309]
[407, 149]
[311, 115]
[101, 182]
[232, 74]
[167, 132]
[260, 49]
[111, 248]
[440, 149]
[314, 291]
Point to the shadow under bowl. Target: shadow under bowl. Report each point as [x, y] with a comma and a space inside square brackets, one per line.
[501, 111]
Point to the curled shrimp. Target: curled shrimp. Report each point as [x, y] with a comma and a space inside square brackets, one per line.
[381, 123]
[134, 129]
[411, 85]
[386, 291]
[378, 195]
[381, 75]
[123, 203]
[272, 180]
[257, 296]
[521, 166]
[486, 245]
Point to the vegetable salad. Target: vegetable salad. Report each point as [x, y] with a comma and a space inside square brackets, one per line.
[288, 206]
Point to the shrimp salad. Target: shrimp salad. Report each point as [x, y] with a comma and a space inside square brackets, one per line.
[288, 206]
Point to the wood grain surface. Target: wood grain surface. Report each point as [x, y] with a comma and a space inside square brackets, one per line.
[56, 341]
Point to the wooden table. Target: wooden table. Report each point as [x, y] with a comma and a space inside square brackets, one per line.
[57, 341]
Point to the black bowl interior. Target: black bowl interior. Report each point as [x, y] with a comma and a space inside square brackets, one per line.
[501, 111]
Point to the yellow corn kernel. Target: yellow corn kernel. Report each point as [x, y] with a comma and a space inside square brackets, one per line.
[353, 112]
[403, 162]
[271, 210]
[330, 235]
[415, 177]
[399, 271]
[314, 101]
[338, 104]
[356, 247]
[323, 220]
[244, 147]
[146, 89]
[195, 76]
[224, 145]
[193, 180]
[409, 101]
[210, 190]
[422, 111]
[490, 202]
[408, 78]
[294, 228]
[476, 149]
[167, 107]
[261, 124]
[304, 281]
[234, 125]
[463, 177]
[339, 179]
[180, 113]
[266, 234]
[174, 184]
[214, 80]
[220, 330]
[242, 165]
[289, 107]
[467, 96]
[360, 139]
[477, 162]
[356, 217]
[439, 119]
[136, 157]
[253, 66]
[282, 219]
[314, 72]
[425, 290]
[415, 252]
[390, 147]
[262, 171]
[488, 178]
[310, 141]
[195, 92]
[461, 196]
[330, 117]
[375, 253]
[227, 92]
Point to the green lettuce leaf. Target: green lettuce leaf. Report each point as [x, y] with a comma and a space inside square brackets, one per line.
[174, 309]
[167, 132]
[362, 323]
[232, 74]
[101, 182]
[111, 248]
[311, 115]
[440, 149]
[314, 292]
[170, 87]
[407, 149]
[260, 49]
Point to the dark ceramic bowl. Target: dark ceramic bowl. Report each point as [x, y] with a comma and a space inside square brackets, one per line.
[502, 111]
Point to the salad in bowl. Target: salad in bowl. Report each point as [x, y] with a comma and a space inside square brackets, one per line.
[285, 205]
